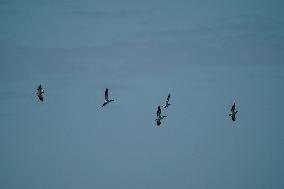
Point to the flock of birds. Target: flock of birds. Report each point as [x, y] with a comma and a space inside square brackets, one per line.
[232, 114]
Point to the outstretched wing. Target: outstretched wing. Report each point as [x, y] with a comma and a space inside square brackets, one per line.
[233, 107]
[159, 111]
[39, 88]
[168, 98]
[106, 94]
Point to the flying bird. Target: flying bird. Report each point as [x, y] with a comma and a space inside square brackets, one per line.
[159, 117]
[233, 112]
[40, 93]
[106, 99]
[167, 101]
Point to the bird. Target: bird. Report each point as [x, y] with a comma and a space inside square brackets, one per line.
[233, 112]
[159, 117]
[167, 101]
[40, 93]
[106, 98]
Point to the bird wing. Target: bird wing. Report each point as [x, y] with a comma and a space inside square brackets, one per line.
[233, 107]
[39, 88]
[168, 98]
[106, 95]
[159, 111]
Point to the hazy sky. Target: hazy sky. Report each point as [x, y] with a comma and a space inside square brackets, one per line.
[207, 54]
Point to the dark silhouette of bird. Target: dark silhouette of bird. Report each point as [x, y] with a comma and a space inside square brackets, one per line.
[40, 93]
[167, 101]
[159, 116]
[106, 98]
[233, 112]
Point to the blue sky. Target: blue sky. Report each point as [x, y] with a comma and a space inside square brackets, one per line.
[206, 54]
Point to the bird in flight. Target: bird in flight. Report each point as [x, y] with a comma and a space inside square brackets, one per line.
[233, 112]
[159, 116]
[40, 93]
[106, 99]
[167, 101]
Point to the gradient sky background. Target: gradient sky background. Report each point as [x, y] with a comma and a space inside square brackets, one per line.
[207, 54]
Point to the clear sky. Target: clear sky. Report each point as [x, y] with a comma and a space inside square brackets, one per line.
[207, 54]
